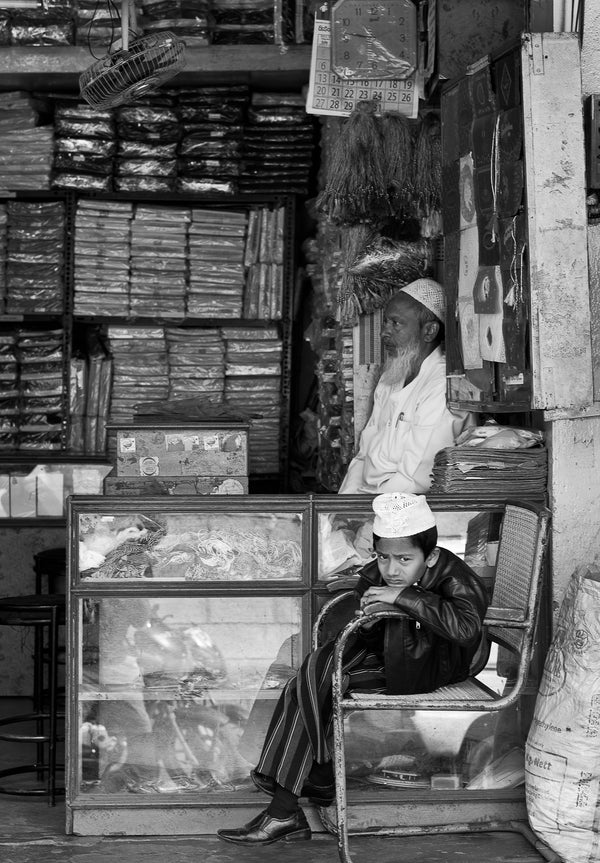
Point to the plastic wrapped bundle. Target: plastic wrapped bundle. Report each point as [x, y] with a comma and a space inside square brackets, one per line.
[278, 145]
[9, 391]
[263, 257]
[253, 383]
[85, 147]
[217, 240]
[96, 26]
[26, 148]
[35, 257]
[3, 252]
[187, 19]
[102, 251]
[158, 263]
[150, 123]
[196, 363]
[51, 23]
[135, 351]
[247, 22]
[41, 369]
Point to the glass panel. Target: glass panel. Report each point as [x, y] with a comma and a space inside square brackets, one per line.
[175, 694]
[183, 546]
[438, 750]
[345, 541]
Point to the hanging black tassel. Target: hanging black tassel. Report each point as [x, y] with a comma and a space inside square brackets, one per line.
[355, 241]
[356, 185]
[428, 176]
[398, 148]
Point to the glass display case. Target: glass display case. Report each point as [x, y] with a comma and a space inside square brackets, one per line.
[187, 616]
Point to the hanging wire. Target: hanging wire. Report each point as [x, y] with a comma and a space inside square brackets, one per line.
[114, 15]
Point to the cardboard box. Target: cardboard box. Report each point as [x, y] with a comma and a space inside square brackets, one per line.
[175, 485]
[190, 449]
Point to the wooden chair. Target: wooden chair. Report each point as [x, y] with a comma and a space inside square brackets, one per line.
[510, 622]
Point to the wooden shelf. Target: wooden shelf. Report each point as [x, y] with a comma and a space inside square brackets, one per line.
[50, 69]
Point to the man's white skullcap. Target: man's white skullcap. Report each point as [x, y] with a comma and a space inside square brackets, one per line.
[430, 294]
[398, 514]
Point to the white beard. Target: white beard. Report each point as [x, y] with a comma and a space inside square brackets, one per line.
[406, 362]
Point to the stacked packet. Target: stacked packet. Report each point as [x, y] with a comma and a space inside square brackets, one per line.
[85, 146]
[217, 242]
[26, 147]
[3, 252]
[148, 133]
[278, 145]
[210, 151]
[9, 391]
[158, 264]
[196, 363]
[41, 361]
[140, 368]
[253, 383]
[50, 23]
[102, 251]
[186, 19]
[263, 258]
[35, 257]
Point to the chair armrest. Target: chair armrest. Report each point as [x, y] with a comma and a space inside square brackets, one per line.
[344, 582]
[499, 616]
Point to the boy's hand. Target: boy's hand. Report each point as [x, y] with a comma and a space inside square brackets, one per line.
[377, 599]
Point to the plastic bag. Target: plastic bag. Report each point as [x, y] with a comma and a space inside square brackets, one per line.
[562, 753]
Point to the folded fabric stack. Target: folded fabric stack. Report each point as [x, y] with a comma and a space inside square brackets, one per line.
[263, 257]
[41, 359]
[26, 148]
[3, 253]
[145, 161]
[488, 474]
[50, 23]
[196, 364]
[84, 148]
[97, 25]
[158, 263]
[278, 145]
[217, 243]
[186, 19]
[210, 150]
[247, 22]
[35, 257]
[140, 368]
[253, 383]
[102, 251]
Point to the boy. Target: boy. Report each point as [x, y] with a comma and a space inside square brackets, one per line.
[432, 646]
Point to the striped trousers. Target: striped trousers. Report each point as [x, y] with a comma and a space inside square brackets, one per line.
[301, 724]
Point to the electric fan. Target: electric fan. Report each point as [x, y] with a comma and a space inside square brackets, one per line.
[135, 69]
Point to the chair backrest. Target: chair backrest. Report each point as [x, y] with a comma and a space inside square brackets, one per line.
[518, 572]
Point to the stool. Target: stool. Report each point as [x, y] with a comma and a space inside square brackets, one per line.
[51, 564]
[45, 613]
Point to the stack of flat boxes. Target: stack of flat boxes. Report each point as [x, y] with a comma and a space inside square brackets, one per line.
[180, 458]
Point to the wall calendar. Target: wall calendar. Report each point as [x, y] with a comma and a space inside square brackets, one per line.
[330, 95]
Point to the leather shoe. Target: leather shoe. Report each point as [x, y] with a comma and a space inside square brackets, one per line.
[264, 830]
[318, 795]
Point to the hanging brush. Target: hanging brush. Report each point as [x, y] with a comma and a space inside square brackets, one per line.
[427, 173]
[398, 149]
[387, 266]
[355, 241]
[356, 188]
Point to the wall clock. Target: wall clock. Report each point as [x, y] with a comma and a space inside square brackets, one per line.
[374, 39]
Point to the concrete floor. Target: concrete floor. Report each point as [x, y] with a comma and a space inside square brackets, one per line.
[33, 832]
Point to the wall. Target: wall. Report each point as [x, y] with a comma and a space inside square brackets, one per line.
[575, 437]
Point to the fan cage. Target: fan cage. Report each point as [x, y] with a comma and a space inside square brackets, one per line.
[126, 74]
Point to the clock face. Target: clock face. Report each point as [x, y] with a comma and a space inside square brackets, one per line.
[374, 39]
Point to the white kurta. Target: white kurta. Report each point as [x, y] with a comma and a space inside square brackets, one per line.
[408, 426]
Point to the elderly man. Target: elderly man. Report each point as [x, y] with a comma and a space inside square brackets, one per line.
[410, 421]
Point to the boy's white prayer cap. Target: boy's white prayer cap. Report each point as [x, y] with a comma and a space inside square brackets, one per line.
[398, 514]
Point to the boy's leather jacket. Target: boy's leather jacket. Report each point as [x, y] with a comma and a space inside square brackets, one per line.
[435, 643]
